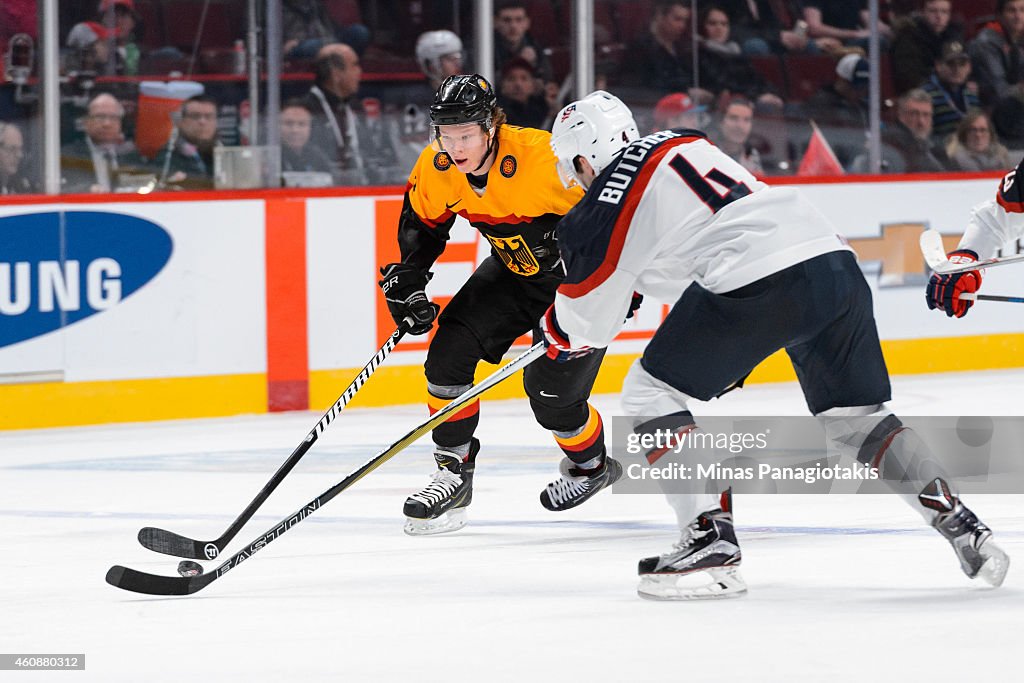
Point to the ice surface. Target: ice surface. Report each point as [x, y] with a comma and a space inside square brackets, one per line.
[842, 588]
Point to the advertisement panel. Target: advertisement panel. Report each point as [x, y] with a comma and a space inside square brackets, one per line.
[215, 304]
[115, 302]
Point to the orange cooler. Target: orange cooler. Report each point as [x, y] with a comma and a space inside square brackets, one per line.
[157, 103]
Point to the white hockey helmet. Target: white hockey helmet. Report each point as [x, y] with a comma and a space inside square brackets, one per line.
[597, 127]
[433, 45]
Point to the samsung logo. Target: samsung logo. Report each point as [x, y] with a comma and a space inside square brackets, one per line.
[58, 286]
[57, 268]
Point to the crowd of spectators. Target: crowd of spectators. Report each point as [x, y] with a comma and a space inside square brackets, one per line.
[757, 75]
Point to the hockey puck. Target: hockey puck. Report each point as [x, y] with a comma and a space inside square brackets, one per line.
[188, 568]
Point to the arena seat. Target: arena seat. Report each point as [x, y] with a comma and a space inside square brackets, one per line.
[150, 15]
[807, 73]
[974, 14]
[771, 68]
[631, 19]
[545, 25]
[344, 12]
[225, 23]
[560, 58]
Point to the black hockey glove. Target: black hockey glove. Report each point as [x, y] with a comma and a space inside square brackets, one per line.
[634, 304]
[403, 287]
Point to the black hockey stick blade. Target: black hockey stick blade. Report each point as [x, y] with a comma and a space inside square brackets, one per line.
[155, 584]
[170, 543]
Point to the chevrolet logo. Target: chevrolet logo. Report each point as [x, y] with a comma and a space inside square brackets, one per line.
[899, 253]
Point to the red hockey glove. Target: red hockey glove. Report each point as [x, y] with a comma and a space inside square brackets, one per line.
[557, 341]
[944, 291]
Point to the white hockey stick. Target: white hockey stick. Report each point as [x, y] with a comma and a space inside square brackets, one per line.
[935, 256]
[186, 584]
[971, 296]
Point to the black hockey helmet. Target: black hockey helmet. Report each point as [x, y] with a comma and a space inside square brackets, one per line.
[463, 99]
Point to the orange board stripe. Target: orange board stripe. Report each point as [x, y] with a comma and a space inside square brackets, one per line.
[287, 333]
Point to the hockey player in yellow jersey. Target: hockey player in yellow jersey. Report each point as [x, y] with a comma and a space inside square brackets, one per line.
[503, 180]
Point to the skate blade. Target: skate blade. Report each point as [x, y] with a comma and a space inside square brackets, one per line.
[453, 520]
[993, 572]
[725, 583]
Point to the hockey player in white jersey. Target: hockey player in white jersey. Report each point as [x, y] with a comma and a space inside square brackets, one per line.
[993, 224]
[751, 269]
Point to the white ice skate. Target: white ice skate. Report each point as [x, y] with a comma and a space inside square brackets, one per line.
[972, 541]
[703, 565]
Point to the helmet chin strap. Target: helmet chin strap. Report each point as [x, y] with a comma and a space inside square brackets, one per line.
[487, 155]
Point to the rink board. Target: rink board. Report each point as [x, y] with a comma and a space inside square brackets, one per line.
[268, 300]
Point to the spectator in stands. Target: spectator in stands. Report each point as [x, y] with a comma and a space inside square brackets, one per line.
[358, 141]
[732, 134]
[917, 43]
[678, 110]
[998, 54]
[723, 66]
[975, 146]
[901, 12]
[661, 59]
[841, 108]
[93, 164]
[845, 20]
[186, 162]
[12, 152]
[764, 27]
[952, 95]
[306, 26]
[517, 96]
[715, 32]
[90, 42]
[440, 55]
[337, 76]
[296, 124]
[512, 39]
[911, 137]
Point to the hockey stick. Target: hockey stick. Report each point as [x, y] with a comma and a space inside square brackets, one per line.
[935, 256]
[972, 296]
[155, 584]
[170, 543]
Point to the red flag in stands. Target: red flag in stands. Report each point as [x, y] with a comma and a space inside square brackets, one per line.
[819, 159]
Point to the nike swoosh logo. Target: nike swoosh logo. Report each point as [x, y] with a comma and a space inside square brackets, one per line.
[547, 395]
[936, 498]
[449, 206]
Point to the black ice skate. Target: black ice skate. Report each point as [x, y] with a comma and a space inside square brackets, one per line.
[575, 487]
[971, 539]
[441, 506]
[708, 547]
